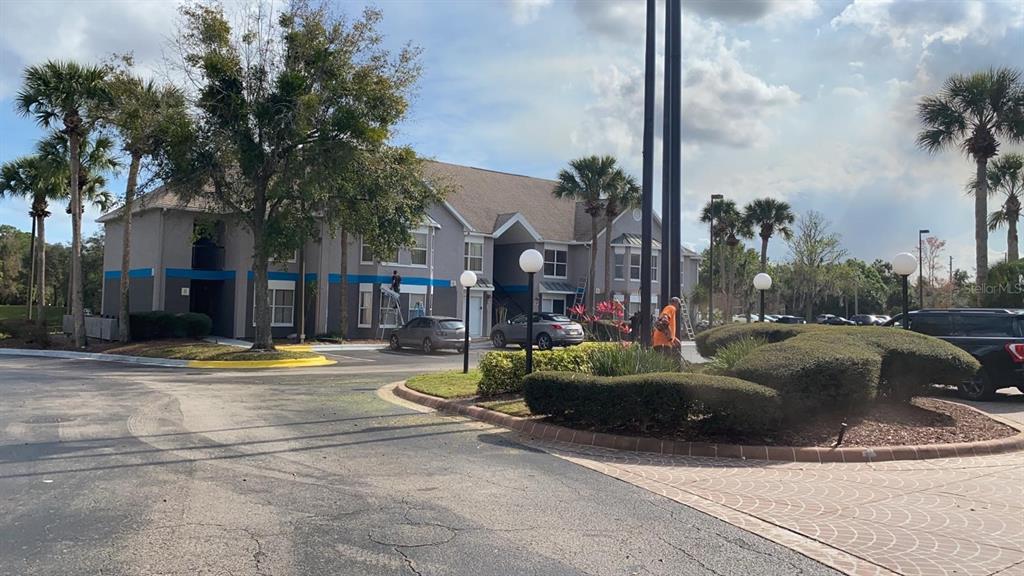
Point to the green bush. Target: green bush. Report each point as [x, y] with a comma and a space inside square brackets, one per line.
[1003, 289]
[626, 359]
[710, 341]
[502, 371]
[158, 324]
[729, 355]
[812, 374]
[664, 400]
[24, 329]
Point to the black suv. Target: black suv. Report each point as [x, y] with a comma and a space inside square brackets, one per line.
[994, 336]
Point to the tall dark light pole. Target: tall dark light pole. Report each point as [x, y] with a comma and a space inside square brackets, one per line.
[667, 186]
[904, 264]
[531, 261]
[674, 14]
[467, 281]
[647, 181]
[920, 268]
[711, 261]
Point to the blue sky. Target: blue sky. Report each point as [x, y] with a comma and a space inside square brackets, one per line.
[810, 101]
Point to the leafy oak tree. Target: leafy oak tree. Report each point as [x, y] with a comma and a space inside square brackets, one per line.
[287, 108]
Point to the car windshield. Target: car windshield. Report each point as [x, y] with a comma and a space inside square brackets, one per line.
[451, 324]
[556, 318]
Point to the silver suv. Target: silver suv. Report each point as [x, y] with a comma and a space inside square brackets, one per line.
[549, 330]
[429, 333]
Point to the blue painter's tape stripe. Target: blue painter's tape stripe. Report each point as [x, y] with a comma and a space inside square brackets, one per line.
[200, 274]
[135, 273]
[371, 279]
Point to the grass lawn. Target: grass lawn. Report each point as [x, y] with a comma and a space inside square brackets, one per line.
[512, 407]
[446, 384]
[198, 350]
[17, 312]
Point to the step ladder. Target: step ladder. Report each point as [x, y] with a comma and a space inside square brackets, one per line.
[390, 311]
[684, 309]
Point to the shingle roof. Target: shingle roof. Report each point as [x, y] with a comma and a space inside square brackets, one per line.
[487, 199]
[162, 197]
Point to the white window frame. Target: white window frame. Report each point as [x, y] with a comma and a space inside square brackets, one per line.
[272, 287]
[415, 247]
[366, 289]
[555, 263]
[547, 303]
[655, 261]
[636, 266]
[619, 266]
[363, 247]
[467, 258]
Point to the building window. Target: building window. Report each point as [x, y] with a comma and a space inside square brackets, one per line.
[366, 255]
[620, 264]
[654, 266]
[417, 305]
[365, 307]
[474, 256]
[553, 304]
[282, 303]
[634, 266]
[555, 262]
[418, 251]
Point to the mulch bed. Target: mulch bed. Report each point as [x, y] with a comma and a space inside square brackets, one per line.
[923, 421]
[58, 341]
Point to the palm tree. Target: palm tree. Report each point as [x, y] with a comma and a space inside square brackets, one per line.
[68, 94]
[623, 194]
[588, 180]
[1006, 176]
[143, 114]
[973, 112]
[769, 216]
[30, 177]
[729, 227]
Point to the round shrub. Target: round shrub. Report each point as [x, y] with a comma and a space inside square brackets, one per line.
[502, 371]
[709, 342]
[158, 324]
[664, 400]
[812, 373]
[195, 325]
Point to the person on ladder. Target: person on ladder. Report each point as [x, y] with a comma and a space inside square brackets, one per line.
[396, 281]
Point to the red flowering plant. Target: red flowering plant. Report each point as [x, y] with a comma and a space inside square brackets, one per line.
[607, 322]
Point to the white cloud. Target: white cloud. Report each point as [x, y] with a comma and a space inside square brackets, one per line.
[526, 11]
[849, 91]
[907, 23]
[769, 11]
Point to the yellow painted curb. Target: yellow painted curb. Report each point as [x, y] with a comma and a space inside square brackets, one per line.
[296, 347]
[289, 363]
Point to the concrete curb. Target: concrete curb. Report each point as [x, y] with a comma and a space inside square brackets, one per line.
[532, 427]
[170, 362]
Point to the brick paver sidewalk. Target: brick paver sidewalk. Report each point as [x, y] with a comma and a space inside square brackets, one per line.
[961, 516]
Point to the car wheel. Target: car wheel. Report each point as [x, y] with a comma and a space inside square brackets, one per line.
[395, 344]
[460, 349]
[544, 341]
[498, 339]
[980, 388]
[428, 346]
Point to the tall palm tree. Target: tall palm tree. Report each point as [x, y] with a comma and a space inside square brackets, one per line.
[623, 194]
[1005, 176]
[588, 180]
[973, 112]
[143, 114]
[729, 227]
[31, 177]
[769, 216]
[68, 95]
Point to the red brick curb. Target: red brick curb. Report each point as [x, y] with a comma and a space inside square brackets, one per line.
[544, 431]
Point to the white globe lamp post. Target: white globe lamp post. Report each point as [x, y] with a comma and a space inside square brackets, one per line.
[467, 281]
[531, 262]
[762, 282]
[904, 264]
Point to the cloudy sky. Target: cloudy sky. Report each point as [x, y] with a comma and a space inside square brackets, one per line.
[807, 100]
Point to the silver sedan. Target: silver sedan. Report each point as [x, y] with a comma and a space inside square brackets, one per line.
[549, 329]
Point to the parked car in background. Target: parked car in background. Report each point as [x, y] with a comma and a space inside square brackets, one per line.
[549, 330]
[994, 336]
[882, 318]
[785, 319]
[868, 319]
[429, 333]
[837, 321]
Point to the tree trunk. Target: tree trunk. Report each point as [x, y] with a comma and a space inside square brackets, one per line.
[123, 324]
[608, 257]
[593, 265]
[77, 308]
[981, 227]
[32, 264]
[1012, 249]
[300, 296]
[41, 271]
[764, 254]
[343, 286]
[262, 338]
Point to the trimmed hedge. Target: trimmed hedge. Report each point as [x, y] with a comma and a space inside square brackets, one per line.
[812, 375]
[158, 324]
[663, 400]
[502, 372]
[710, 341]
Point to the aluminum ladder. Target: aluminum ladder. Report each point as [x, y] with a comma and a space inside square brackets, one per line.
[390, 314]
[687, 325]
[580, 296]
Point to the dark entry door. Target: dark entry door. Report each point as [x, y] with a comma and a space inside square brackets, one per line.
[209, 297]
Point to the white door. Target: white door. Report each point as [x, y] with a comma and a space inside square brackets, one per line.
[476, 316]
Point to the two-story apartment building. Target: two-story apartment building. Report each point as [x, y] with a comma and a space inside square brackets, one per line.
[187, 257]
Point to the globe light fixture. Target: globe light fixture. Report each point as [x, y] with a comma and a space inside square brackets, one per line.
[467, 280]
[531, 261]
[904, 264]
[762, 282]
